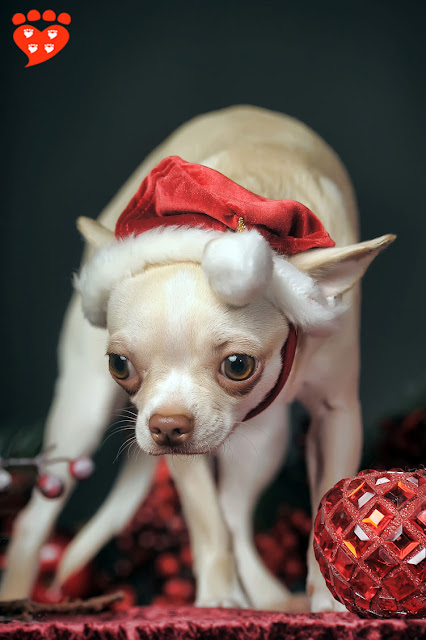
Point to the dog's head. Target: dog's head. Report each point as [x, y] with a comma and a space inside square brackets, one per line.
[197, 343]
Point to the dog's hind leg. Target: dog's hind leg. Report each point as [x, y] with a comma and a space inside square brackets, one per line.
[85, 397]
[117, 510]
[333, 446]
[247, 463]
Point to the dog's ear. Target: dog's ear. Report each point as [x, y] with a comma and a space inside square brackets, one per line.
[95, 234]
[337, 269]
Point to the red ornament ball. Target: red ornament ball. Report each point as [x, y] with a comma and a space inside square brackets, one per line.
[370, 543]
[50, 486]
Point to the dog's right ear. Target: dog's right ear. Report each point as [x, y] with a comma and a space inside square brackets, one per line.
[337, 269]
[95, 234]
[308, 287]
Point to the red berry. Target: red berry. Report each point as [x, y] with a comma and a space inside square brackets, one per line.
[46, 594]
[5, 480]
[81, 468]
[178, 588]
[161, 601]
[167, 565]
[186, 556]
[130, 597]
[50, 554]
[50, 486]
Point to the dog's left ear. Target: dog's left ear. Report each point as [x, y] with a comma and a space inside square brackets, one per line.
[337, 269]
[95, 234]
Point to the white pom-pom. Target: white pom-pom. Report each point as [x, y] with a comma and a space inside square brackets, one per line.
[238, 266]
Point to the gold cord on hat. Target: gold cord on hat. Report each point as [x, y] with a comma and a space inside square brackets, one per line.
[241, 224]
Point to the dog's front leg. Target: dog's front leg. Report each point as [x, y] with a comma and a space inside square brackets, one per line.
[76, 433]
[214, 563]
[30, 531]
[119, 507]
[247, 463]
[85, 398]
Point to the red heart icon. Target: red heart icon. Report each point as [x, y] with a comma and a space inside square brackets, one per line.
[40, 46]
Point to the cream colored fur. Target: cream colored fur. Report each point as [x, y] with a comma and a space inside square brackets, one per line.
[175, 323]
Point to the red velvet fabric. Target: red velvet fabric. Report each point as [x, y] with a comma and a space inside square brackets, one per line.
[177, 192]
[188, 623]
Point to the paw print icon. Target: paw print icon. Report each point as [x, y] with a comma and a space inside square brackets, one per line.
[40, 46]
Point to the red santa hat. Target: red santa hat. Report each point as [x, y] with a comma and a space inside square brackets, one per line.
[189, 212]
[185, 211]
[182, 193]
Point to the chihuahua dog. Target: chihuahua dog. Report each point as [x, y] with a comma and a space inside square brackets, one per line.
[212, 331]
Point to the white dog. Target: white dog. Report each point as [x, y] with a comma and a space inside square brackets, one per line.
[202, 328]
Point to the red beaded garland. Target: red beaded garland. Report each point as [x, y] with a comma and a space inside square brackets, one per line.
[370, 543]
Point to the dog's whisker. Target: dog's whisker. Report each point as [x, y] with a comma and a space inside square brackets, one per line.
[128, 413]
[226, 448]
[114, 432]
[129, 448]
[126, 421]
[119, 429]
[123, 428]
[123, 448]
[242, 435]
[121, 412]
[119, 423]
[255, 426]
[138, 449]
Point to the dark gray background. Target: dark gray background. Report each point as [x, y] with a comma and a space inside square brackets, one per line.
[76, 127]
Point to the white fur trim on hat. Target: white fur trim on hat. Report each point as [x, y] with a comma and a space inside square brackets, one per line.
[300, 298]
[125, 258]
[240, 267]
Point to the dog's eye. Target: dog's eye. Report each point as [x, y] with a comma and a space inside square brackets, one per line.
[238, 366]
[120, 367]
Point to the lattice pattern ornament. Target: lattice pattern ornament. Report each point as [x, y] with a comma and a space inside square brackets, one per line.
[370, 543]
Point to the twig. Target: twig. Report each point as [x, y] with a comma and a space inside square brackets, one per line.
[26, 610]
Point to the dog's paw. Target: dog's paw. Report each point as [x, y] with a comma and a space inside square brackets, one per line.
[230, 596]
[225, 603]
[296, 603]
[234, 598]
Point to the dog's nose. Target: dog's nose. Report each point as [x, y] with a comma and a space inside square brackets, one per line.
[170, 430]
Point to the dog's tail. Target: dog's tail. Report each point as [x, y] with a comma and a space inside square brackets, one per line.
[119, 507]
